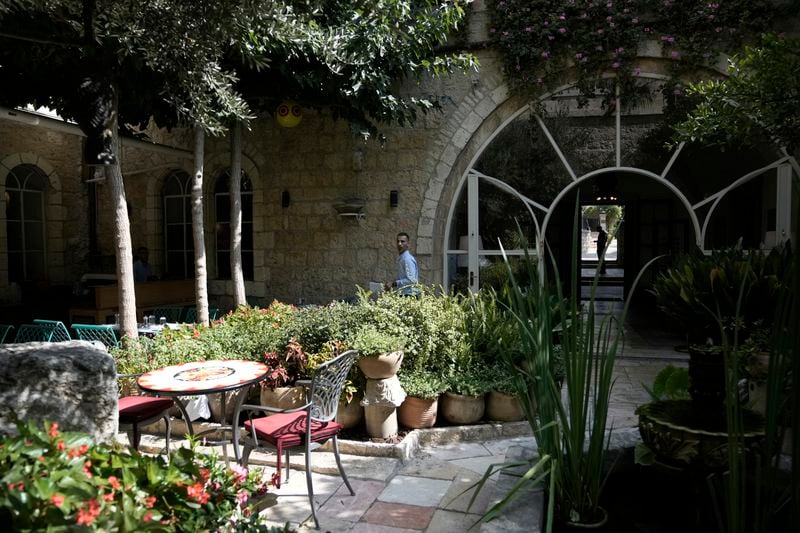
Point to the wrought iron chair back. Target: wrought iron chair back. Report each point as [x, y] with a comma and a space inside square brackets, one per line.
[6, 333]
[104, 333]
[60, 331]
[34, 333]
[328, 384]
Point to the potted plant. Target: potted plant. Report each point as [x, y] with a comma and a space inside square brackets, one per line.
[379, 354]
[419, 408]
[464, 402]
[279, 389]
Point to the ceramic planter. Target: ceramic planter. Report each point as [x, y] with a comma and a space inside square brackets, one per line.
[503, 407]
[382, 366]
[416, 413]
[283, 397]
[460, 409]
[349, 415]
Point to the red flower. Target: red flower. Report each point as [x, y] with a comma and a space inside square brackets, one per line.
[204, 474]
[196, 333]
[87, 515]
[53, 430]
[77, 452]
[108, 497]
[60, 446]
[86, 466]
[57, 499]
[148, 516]
[149, 501]
[197, 493]
[114, 482]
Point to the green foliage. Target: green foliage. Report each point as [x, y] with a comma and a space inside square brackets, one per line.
[431, 326]
[545, 43]
[64, 481]
[372, 342]
[423, 384]
[700, 287]
[214, 62]
[671, 383]
[471, 380]
[569, 428]
[760, 97]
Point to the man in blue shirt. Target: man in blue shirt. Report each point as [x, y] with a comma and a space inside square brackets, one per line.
[407, 272]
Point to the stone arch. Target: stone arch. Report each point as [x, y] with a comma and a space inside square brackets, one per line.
[478, 119]
[55, 213]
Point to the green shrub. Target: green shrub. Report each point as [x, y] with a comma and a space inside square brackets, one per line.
[423, 384]
[62, 481]
[372, 342]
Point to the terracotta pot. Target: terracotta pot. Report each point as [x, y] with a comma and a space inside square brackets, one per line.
[283, 397]
[461, 409]
[415, 413]
[349, 415]
[381, 367]
[503, 407]
[214, 403]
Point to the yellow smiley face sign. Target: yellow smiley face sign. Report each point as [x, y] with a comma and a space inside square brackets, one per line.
[289, 114]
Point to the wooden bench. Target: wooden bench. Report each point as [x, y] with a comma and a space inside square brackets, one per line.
[148, 295]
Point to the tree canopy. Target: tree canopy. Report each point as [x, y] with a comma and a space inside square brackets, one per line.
[761, 97]
[215, 62]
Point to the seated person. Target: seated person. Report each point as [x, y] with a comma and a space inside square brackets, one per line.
[141, 268]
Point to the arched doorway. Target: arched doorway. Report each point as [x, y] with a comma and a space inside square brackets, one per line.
[528, 174]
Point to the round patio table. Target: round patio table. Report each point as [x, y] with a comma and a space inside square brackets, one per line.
[203, 377]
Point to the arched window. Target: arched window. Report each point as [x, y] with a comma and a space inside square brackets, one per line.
[25, 187]
[222, 217]
[178, 242]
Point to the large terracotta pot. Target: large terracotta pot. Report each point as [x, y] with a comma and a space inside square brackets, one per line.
[503, 407]
[461, 409]
[215, 403]
[381, 367]
[283, 397]
[415, 413]
[349, 415]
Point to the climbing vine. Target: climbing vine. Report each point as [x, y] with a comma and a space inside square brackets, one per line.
[595, 42]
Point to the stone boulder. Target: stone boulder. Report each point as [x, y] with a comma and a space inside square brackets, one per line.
[73, 383]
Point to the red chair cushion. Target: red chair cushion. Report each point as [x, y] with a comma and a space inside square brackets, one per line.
[285, 430]
[134, 409]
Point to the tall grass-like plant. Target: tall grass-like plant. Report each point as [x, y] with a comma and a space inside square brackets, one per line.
[569, 428]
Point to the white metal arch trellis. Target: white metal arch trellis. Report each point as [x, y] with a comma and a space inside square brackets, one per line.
[471, 177]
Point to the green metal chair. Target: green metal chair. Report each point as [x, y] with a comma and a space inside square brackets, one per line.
[60, 331]
[172, 314]
[5, 333]
[35, 333]
[104, 333]
[191, 314]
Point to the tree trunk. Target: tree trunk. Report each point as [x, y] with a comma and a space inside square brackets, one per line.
[200, 274]
[122, 236]
[237, 276]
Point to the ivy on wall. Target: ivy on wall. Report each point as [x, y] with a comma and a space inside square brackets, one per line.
[544, 43]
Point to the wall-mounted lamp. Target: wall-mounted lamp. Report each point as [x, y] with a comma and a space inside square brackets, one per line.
[285, 199]
[394, 198]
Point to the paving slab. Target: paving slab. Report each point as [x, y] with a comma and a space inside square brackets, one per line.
[413, 490]
[399, 515]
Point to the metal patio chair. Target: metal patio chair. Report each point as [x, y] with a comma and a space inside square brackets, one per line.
[191, 314]
[60, 331]
[136, 411]
[104, 333]
[287, 429]
[6, 333]
[34, 333]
